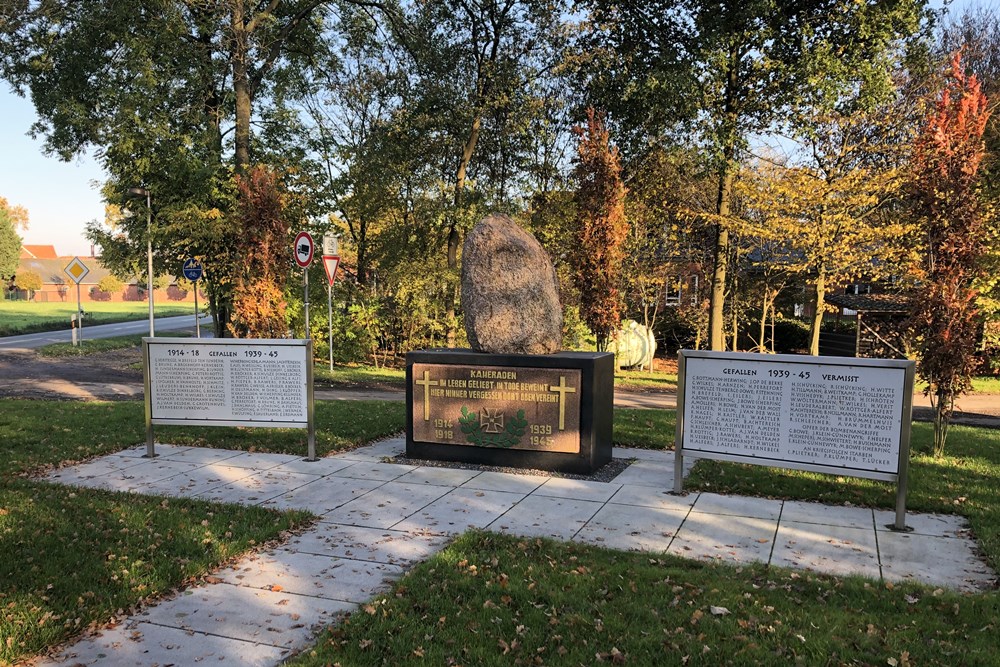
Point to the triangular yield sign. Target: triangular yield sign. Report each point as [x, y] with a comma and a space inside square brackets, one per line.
[330, 263]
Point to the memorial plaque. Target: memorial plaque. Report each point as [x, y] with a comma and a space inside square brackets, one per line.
[492, 406]
[544, 411]
[215, 382]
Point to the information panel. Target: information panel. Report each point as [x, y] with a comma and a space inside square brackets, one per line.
[228, 382]
[497, 406]
[827, 414]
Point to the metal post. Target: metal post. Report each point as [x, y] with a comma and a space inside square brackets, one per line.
[310, 402]
[305, 283]
[79, 314]
[150, 450]
[679, 426]
[149, 258]
[329, 320]
[197, 322]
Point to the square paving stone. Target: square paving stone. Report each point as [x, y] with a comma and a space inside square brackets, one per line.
[505, 481]
[577, 489]
[647, 496]
[159, 448]
[761, 508]
[659, 455]
[374, 470]
[86, 474]
[377, 451]
[138, 478]
[324, 494]
[936, 525]
[837, 550]
[726, 538]
[149, 645]
[952, 562]
[387, 505]
[308, 574]
[545, 516]
[632, 528]
[372, 544]
[460, 510]
[830, 515]
[251, 614]
[257, 488]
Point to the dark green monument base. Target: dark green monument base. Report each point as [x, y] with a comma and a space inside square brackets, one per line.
[547, 412]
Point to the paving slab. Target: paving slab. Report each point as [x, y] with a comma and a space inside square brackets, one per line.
[632, 528]
[374, 470]
[761, 508]
[258, 488]
[322, 466]
[505, 481]
[376, 452]
[546, 516]
[938, 561]
[829, 515]
[323, 495]
[258, 461]
[655, 473]
[837, 550]
[321, 576]
[372, 544]
[937, 525]
[252, 614]
[647, 496]
[202, 455]
[725, 538]
[91, 472]
[198, 480]
[387, 505]
[577, 489]
[150, 645]
[459, 510]
[438, 476]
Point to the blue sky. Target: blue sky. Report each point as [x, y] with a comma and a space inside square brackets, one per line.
[62, 197]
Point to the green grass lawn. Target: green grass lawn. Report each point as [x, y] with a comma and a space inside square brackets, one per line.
[500, 600]
[72, 558]
[20, 317]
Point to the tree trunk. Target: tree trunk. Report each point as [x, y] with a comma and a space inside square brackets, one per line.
[241, 87]
[820, 304]
[716, 338]
[763, 324]
[453, 234]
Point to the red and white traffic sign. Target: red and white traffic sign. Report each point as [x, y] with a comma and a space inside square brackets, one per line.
[303, 249]
[330, 263]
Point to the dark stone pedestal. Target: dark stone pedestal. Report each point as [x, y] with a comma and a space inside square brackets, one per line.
[549, 412]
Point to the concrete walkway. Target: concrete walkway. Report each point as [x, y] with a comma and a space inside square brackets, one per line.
[378, 518]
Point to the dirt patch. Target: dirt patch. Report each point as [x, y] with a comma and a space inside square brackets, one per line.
[105, 375]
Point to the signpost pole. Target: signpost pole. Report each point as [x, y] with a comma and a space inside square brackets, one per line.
[79, 314]
[305, 283]
[197, 322]
[329, 320]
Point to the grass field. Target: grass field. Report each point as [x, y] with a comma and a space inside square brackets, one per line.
[20, 317]
[75, 558]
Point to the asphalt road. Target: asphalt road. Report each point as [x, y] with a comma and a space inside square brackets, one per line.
[35, 340]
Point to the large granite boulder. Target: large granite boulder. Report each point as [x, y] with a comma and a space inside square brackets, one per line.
[510, 293]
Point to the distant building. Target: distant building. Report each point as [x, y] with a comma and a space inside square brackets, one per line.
[58, 287]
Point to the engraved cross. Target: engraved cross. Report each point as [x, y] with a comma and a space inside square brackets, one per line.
[563, 390]
[427, 383]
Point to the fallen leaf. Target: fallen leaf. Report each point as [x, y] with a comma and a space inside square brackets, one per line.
[719, 611]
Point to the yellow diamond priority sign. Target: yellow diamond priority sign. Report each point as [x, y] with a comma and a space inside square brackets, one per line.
[76, 270]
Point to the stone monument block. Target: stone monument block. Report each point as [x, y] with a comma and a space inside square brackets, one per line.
[510, 293]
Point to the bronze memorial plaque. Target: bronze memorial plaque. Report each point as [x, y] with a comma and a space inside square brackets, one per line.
[497, 406]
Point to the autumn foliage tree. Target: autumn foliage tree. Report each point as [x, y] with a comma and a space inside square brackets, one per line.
[945, 183]
[601, 229]
[259, 305]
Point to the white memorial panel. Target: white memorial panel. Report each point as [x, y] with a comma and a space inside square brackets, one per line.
[227, 382]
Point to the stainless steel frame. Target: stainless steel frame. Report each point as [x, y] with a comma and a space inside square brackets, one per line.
[151, 420]
[906, 416]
